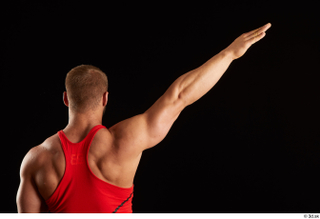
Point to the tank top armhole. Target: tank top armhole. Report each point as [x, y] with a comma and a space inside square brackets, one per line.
[50, 200]
[97, 128]
[88, 166]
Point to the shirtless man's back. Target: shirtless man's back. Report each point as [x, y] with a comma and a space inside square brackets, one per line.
[113, 154]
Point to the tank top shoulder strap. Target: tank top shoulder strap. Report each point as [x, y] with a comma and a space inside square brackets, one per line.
[63, 139]
[68, 146]
[92, 133]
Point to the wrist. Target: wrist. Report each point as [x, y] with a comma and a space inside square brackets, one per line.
[226, 53]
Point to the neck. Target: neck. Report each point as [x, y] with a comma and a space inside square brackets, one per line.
[83, 121]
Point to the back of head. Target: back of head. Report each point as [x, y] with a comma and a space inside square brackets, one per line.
[85, 85]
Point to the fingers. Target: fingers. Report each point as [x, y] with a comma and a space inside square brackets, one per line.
[257, 32]
[240, 45]
[256, 38]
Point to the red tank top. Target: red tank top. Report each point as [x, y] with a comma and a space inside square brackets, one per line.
[79, 190]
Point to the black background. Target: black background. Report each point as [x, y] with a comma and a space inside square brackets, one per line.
[250, 145]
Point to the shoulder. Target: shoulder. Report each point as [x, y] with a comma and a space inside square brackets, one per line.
[103, 137]
[130, 129]
[104, 134]
[102, 142]
[130, 137]
[39, 155]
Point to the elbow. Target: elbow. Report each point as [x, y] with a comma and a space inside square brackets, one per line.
[185, 98]
[186, 88]
[182, 99]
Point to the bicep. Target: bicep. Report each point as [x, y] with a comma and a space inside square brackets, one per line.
[160, 118]
[150, 128]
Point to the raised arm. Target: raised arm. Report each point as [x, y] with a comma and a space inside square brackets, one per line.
[148, 129]
[198, 82]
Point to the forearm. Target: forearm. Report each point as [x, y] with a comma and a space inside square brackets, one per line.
[196, 83]
[154, 124]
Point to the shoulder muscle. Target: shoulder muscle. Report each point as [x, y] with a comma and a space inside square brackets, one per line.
[28, 197]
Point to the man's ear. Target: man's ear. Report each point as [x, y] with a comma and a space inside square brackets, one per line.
[105, 98]
[65, 99]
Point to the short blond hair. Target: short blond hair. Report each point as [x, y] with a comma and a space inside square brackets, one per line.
[85, 85]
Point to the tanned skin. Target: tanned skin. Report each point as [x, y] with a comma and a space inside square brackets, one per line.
[115, 153]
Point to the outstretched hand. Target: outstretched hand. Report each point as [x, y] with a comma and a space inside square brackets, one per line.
[240, 45]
